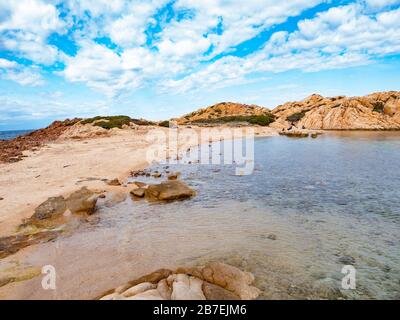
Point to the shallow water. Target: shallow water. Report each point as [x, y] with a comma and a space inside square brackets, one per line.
[325, 200]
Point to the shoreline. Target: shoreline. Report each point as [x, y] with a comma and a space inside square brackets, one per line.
[61, 167]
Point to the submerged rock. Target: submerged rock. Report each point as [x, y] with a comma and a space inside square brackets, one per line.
[174, 176]
[168, 191]
[12, 244]
[215, 281]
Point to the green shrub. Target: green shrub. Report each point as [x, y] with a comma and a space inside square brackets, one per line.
[110, 122]
[295, 117]
[164, 124]
[262, 120]
[378, 106]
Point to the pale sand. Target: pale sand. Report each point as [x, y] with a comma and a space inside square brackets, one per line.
[62, 167]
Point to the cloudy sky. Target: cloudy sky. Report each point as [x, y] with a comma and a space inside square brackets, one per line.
[160, 58]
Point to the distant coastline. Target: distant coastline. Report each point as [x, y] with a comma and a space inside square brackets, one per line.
[11, 134]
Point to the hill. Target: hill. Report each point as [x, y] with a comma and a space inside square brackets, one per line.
[228, 112]
[377, 111]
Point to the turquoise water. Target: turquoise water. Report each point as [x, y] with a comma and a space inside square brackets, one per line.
[11, 134]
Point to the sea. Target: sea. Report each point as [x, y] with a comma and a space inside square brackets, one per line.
[11, 134]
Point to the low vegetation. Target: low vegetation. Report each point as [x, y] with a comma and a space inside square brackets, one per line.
[110, 122]
[164, 124]
[262, 120]
[295, 117]
[378, 106]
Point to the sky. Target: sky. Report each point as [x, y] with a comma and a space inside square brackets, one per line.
[158, 59]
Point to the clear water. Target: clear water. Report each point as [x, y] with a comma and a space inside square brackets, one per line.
[11, 134]
[325, 200]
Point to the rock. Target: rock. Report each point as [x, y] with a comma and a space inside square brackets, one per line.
[314, 135]
[138, 192]
[377, 111]
[113, 198]
[229, 278]
[185, 287]
[1, 198]
[168, 191]
[214, 292]
[102, 196]
[164, 290]
[153, 277]
[114, 182]
[156, 175]
[112, 296]
[82, 201]
[51, 208]
[140, 184]
[139, 288]
[271, 237]
[215, 281]
[147, 295]
[173, 176]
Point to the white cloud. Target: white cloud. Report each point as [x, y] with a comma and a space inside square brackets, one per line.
[340, 37]
[26, 76]
[25, 26]
[198, 32]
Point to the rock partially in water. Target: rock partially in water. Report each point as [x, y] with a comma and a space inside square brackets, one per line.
[139, 192]
[82, 201]
[214, 292]
[174, 176]
[53, 207]
[168, 191]
[140, 184]
[48, 220]
[114, 198]
[114, 182]
[215, 281]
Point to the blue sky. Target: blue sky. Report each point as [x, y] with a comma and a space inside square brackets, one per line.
[159, 59]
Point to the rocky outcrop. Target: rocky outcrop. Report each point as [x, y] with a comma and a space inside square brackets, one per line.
[378, 111]
[12, 150]
[221, 110]
[55, 210]
[215, 281]
[48, 220]
[168, 191]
